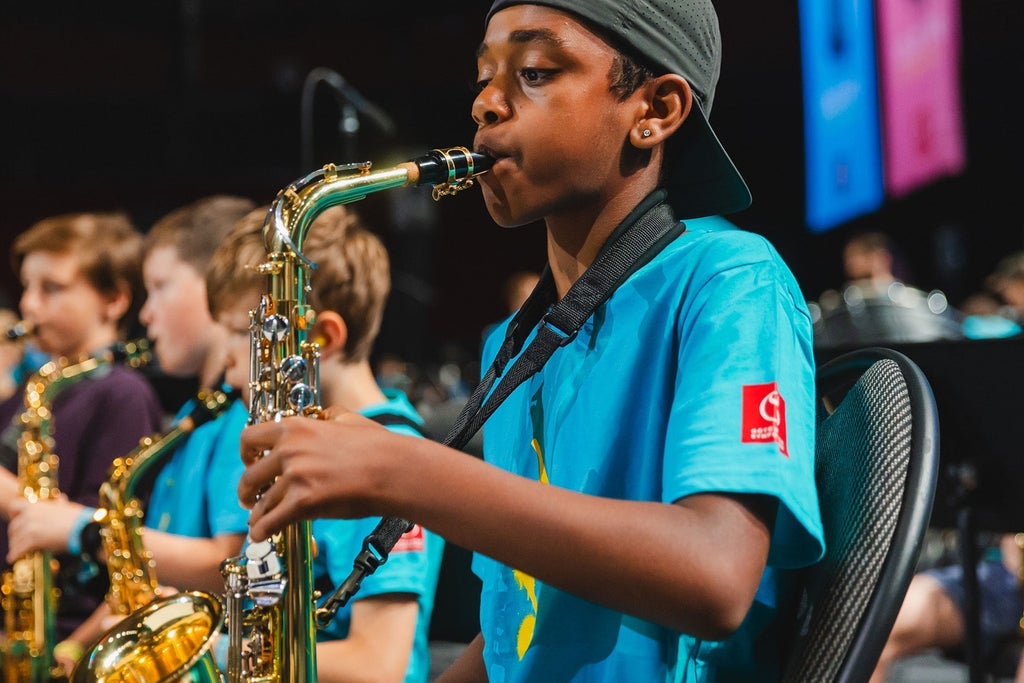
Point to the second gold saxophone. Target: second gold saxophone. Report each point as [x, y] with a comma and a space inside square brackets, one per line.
[133, 583]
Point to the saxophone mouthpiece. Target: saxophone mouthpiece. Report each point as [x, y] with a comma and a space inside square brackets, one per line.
[19, 330]
[445, 166]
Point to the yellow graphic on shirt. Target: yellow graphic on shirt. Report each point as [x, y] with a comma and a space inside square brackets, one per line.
[524, 636]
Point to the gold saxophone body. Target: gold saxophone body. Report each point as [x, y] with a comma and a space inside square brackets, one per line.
[28, 594]
[270, 603]
[133, 582]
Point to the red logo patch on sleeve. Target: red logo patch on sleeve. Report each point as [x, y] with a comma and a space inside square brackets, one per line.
[764, 415]
[411, 541]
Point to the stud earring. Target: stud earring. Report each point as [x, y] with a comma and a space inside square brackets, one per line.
[647, 132]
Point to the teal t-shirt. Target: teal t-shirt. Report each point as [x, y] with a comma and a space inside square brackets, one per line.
[196, 492]
[697, 375]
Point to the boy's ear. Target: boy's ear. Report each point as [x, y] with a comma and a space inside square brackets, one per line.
[668, 101]
[116, 305]
[330, 332]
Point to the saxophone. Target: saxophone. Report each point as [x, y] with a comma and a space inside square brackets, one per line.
[28, 594]
[274, 639]
[133, 584]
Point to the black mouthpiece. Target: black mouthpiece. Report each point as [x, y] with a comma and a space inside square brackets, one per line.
[451, 165]
[18, 330]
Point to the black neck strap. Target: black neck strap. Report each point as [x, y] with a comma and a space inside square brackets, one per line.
[635, 242]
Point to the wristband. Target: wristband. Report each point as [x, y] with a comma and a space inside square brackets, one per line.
[75, 535]
[68, 649]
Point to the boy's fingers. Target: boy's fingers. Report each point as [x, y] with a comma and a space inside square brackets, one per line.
[264, 522]
[258, 438]
[259, 474]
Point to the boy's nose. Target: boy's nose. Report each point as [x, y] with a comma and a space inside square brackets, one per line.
[145, 314]
[490, 106]
[29, 302]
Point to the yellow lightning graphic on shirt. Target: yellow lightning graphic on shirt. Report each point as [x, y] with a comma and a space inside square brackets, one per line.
[526, 582]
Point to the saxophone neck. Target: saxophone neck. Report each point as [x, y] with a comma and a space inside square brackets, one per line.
[449, 171]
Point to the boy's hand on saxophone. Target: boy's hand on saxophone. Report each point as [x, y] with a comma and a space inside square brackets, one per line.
[42, 525]
[299, 469]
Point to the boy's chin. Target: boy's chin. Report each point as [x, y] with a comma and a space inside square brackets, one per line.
[504, 215]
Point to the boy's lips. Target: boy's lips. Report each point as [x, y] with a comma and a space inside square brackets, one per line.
[492, 151]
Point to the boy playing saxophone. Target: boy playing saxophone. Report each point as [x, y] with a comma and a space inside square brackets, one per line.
[80, 275]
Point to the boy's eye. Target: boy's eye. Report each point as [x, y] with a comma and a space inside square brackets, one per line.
[481, 84]
[534, 76]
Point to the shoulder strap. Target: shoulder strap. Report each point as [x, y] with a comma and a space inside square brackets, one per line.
[634, 243]
[388, 419]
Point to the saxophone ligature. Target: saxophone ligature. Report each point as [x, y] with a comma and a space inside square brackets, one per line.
[140, 648]
[28, 594]
[270, 603]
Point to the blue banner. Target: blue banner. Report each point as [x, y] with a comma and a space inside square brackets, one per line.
[842, 141]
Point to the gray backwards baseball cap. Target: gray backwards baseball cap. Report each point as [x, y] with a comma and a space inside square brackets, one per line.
[680, 37]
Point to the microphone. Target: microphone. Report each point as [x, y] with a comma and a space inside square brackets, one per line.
[351, 103]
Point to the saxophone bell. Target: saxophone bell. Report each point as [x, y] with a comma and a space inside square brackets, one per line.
[162, 641]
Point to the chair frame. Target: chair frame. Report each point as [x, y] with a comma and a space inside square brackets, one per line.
[833, 381]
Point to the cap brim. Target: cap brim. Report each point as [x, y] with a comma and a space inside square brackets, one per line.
[700, 177]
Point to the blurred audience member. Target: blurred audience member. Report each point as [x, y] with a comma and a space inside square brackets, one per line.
[877, 303]
[871, 261]
[998, 310]
[1007, 282]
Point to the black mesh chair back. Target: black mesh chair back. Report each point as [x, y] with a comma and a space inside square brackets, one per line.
[875, 468]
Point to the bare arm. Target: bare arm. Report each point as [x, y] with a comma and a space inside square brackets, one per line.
[42, 525]
[8, 492]
[189, 563]
[378, 644]
[181, 561]
[693, 566]
[89, 631]
[469, 667]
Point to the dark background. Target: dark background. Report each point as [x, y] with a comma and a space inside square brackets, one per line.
[146, 106]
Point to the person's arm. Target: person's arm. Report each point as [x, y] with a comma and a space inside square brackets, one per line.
[189, 563]
[693, 566]
[44, 525]
[181, 561]
[8, 492]
[469, 666]
[378, 644]
[72, 648]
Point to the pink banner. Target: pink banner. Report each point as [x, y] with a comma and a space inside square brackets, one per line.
[919, 65]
